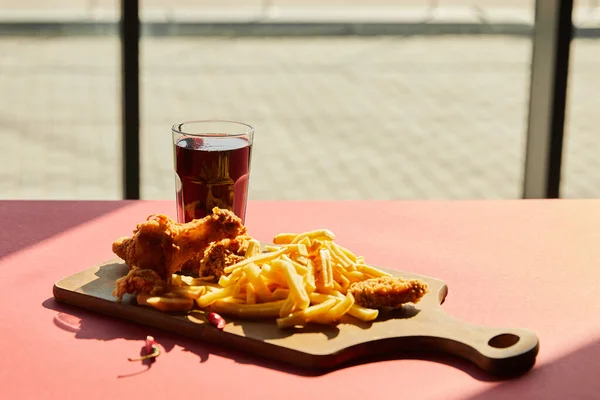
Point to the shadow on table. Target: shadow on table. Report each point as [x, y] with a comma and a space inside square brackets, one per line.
[88, 325]
[573, 376]
[24, 216]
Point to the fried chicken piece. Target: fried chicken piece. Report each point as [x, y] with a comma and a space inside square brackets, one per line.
[221, 254]
[162, 245]
[224, 252]
[387, 291]
[140, 281]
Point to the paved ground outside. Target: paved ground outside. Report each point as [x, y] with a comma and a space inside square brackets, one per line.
[62, 5]
[337, 118]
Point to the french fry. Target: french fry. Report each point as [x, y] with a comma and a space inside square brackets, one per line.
[259, 310]
[372, 271]
[240, 296]
[273, 276]
[334, 293]
[190, 292]
[284, 238]
[239, 280]
[280, 294]
[250, 295]
[242, 281]
[309, 278]
[295, 283]
[258, 259]
[210, 289]
[170, 303]
[356, 276]
[237, 291]
[303, 316]
[302, 260]
[305, 241]
[224, 280]
[301, 249]
[316, 298]
[325, 272]
[338, 257]
[253, 272]
[351, 256]
[344, 283]
[177, 280]
[300, 269]
[208, 298]
[269, 247]
[297, 248]
[231, 279]
[235, 300]
[253, 248]
[142, 298]
[362, 313]
[324, 234]
[287, 307]
[337, 271]
[338, 287]
[341, 308]
[184, 280]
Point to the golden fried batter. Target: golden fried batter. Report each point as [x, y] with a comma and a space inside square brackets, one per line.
[140, 281]
[217, 256]
[162, 245]
[221, 254]
[387, 291]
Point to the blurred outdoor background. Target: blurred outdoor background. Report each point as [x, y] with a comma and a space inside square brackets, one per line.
[425, 110]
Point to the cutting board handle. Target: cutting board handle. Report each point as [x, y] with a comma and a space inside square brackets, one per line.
[500, 351]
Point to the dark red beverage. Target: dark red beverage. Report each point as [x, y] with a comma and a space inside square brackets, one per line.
[211, 172]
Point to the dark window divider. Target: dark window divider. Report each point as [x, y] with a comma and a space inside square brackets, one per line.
[130, 87]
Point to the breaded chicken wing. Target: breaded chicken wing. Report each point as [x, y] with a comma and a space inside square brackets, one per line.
[162, 245]
[221, 254]
[387, 291]
[140, 281]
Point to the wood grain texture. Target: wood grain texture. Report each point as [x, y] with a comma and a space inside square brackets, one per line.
[424, 327]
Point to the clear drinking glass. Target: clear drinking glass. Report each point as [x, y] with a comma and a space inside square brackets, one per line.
[212, 167]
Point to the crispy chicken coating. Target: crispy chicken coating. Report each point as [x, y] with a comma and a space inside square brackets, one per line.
[221, 254]
[162, 245]
[387, 291]
[140, 281]
[217, 256]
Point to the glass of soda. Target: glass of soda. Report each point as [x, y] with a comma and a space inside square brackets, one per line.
[212, 167]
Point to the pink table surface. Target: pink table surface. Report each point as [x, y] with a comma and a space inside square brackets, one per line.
[531, 264]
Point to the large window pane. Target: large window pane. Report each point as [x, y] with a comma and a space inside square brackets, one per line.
[59, 108]
[350, 117]
[581, 168]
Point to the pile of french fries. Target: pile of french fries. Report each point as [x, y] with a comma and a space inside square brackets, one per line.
[302, 278]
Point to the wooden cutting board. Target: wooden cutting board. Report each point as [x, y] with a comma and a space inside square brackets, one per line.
[423, 327]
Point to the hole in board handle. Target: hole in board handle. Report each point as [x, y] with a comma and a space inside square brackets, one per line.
[503, 341]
